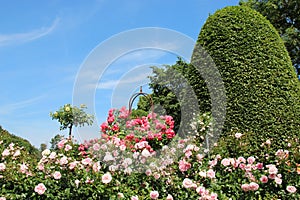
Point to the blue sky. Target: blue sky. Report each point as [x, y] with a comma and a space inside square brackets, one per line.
[44, 45]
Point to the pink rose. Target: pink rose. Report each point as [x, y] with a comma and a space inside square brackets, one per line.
[187, 183]
[87, 161]
[264, 179]
[63, 160]
[225, 162]
[169, 197]
[291, 189]
[68, 147]
[56, 175]
[272, 169]
[278, 180]
[245, 187]
[106, 178]
[2, 167]
[134, 198]
[5, 152]
[61, 144]
[238, 135]
[253, 186]
[40, 188]
[251, 160]
[154, 194]
[2, 198]
[211, 174]
[213, 196]
[184, 166]
[96, 147]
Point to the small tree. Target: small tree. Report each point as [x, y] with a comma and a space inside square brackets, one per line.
[69, 116]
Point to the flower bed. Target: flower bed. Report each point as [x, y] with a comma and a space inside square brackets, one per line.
[144, 159]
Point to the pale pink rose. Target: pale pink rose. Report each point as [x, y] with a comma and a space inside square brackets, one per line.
[156, 176]
[96, 147]
[41, 166]
[23, 168]
[272, 169]
[238, 135]
[278, 180]
[211, 174]
[148, 172]
[40, 188]
[253, 186]
[268, 142]
[146, 153]
[242, 166]
[212, 163]
[245, 187]
[106, 178]
[2, 167]
[72, 165]
[169, 197]
[264, 179]
[291, 189]
[77, 182]
[225, 162]
[2, 198]
[56, 175]
[17, 153]
[61, 144]
[251, 160]
[120, 195]
[199, 157]
[134, 198]
[87, 161]
[201, 190]
[154, 194]
[202, 174]
[184, 166]
[122, 147]
[68, 147]
[213, 196]
[188, 154]
[187, 183]
[241, 160]
[52, 155]
[63, 161]
[5, 153]
[96, 166]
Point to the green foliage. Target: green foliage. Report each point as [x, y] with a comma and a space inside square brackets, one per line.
[69, 116]
[8, 138]
[173, 86]
[56, 139]
[262, 89]
[285, 17]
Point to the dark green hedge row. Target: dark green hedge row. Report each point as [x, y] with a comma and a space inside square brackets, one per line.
[262, 90]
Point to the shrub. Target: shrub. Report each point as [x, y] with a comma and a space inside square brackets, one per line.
[261, 86]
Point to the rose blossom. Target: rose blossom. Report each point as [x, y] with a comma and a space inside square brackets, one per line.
[272, 169]
[2, 167]
[238, 135]
[184, 166]
[40, 188]
[225, 162]
[169, 197]
[134, 198]
[56, 175]
[106, 178]
[278, 181]
[68, 147]
[245, 187]
[120, 195]
[211, 174]
[87, 161]
[253, 186]
[77, 182]
[251, 160]
[17, 153]
[2, 198]
[264, 179]
[291, 189]
[187, 183]
[5, 152]
[154, 194]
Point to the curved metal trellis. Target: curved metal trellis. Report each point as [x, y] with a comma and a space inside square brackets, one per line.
[134, 96]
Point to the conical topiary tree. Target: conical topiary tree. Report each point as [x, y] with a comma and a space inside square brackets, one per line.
[262, 90]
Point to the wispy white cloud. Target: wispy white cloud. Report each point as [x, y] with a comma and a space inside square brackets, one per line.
[16, 38]
[10, 108]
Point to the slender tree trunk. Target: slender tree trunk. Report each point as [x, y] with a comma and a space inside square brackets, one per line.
[70, 132]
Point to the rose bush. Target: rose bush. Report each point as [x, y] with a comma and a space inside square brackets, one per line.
[138, 167]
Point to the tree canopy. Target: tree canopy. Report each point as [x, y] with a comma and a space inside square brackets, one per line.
[285, 17]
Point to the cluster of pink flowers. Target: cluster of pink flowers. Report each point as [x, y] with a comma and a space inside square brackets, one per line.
[202, 191]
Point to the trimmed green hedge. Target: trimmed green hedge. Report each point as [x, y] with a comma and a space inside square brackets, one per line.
[261, 86]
